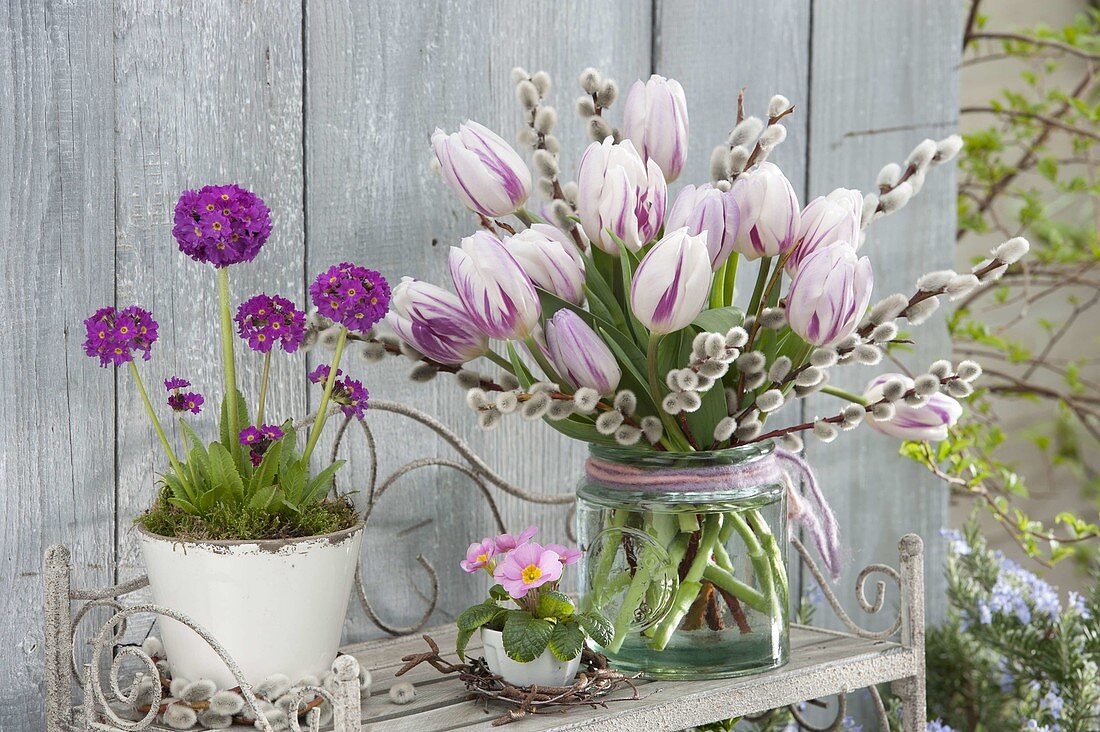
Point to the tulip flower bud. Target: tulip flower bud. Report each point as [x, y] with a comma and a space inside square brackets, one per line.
[769, 212]
[655, 119]
[619, 193]
[827, 220]
[672, 283]
[482, 169]
[927, 422]
[829, 295]
[495, 291]
[705, 208]
[579, 354]
[551, 260]
[433, 321]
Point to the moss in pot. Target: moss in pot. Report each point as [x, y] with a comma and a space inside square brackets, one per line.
[530, 630]
[243, 538]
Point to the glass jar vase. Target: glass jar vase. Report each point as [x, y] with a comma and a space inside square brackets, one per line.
[686, 555]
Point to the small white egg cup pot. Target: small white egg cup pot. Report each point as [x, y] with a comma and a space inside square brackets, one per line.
[277, 606]
[546, 670]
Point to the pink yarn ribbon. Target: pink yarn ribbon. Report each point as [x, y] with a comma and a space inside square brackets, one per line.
[806, 504]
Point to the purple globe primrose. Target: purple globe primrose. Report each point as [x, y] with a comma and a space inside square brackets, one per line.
[354, 296]
[264, 320]
[479, 555]
[221, 225]
[350, 394]
[320, 374]
[527, 567]
[507, 542]
[258, 439]
[186, 401]
[175, 383]
[114, 335]
[433, 321]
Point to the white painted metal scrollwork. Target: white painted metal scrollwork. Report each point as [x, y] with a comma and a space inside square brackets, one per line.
[63, 620]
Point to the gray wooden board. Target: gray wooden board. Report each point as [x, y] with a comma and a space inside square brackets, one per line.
[380, 78]
[202, 97]
[57, 232]
[107, 112]
[714, 48]
[888, 72]
[824, 661]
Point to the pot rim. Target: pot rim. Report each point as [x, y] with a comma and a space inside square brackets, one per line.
[334, 537]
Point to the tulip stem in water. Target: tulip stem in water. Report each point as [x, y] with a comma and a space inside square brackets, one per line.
[841, 393]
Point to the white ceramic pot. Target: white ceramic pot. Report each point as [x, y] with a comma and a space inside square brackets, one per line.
[544, 670]
[277, 606]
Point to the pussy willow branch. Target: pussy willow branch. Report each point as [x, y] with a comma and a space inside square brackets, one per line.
[758, 148]
[835, 419]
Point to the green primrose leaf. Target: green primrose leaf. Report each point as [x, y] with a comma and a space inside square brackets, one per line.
[554, 604]
[566, 641]
[476, 616]
[598, 627]
[525, 636]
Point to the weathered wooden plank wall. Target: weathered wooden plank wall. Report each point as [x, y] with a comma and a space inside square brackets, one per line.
[57, 459]
[108, 111]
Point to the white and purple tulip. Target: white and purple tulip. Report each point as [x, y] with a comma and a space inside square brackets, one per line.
[579, 354]
[825, 221]
[494, 290]
[672, 283]
[655, 118]
[926, 423]
[619, 193]
[705, 208]
[769, 212]
[551, 260]
[829, 295]
[482, 169]
[434, 322]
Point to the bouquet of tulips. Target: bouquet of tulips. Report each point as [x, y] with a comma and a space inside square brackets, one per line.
[612, 310]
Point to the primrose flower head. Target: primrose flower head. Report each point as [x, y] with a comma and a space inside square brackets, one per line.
[114, 335]
[508, 542]
[186, 401]
[222, 225]
[258, 439]
[567, 554]
[479, 555]
[265, 320]
[354, 296]
[176, 383]
[527, 567]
